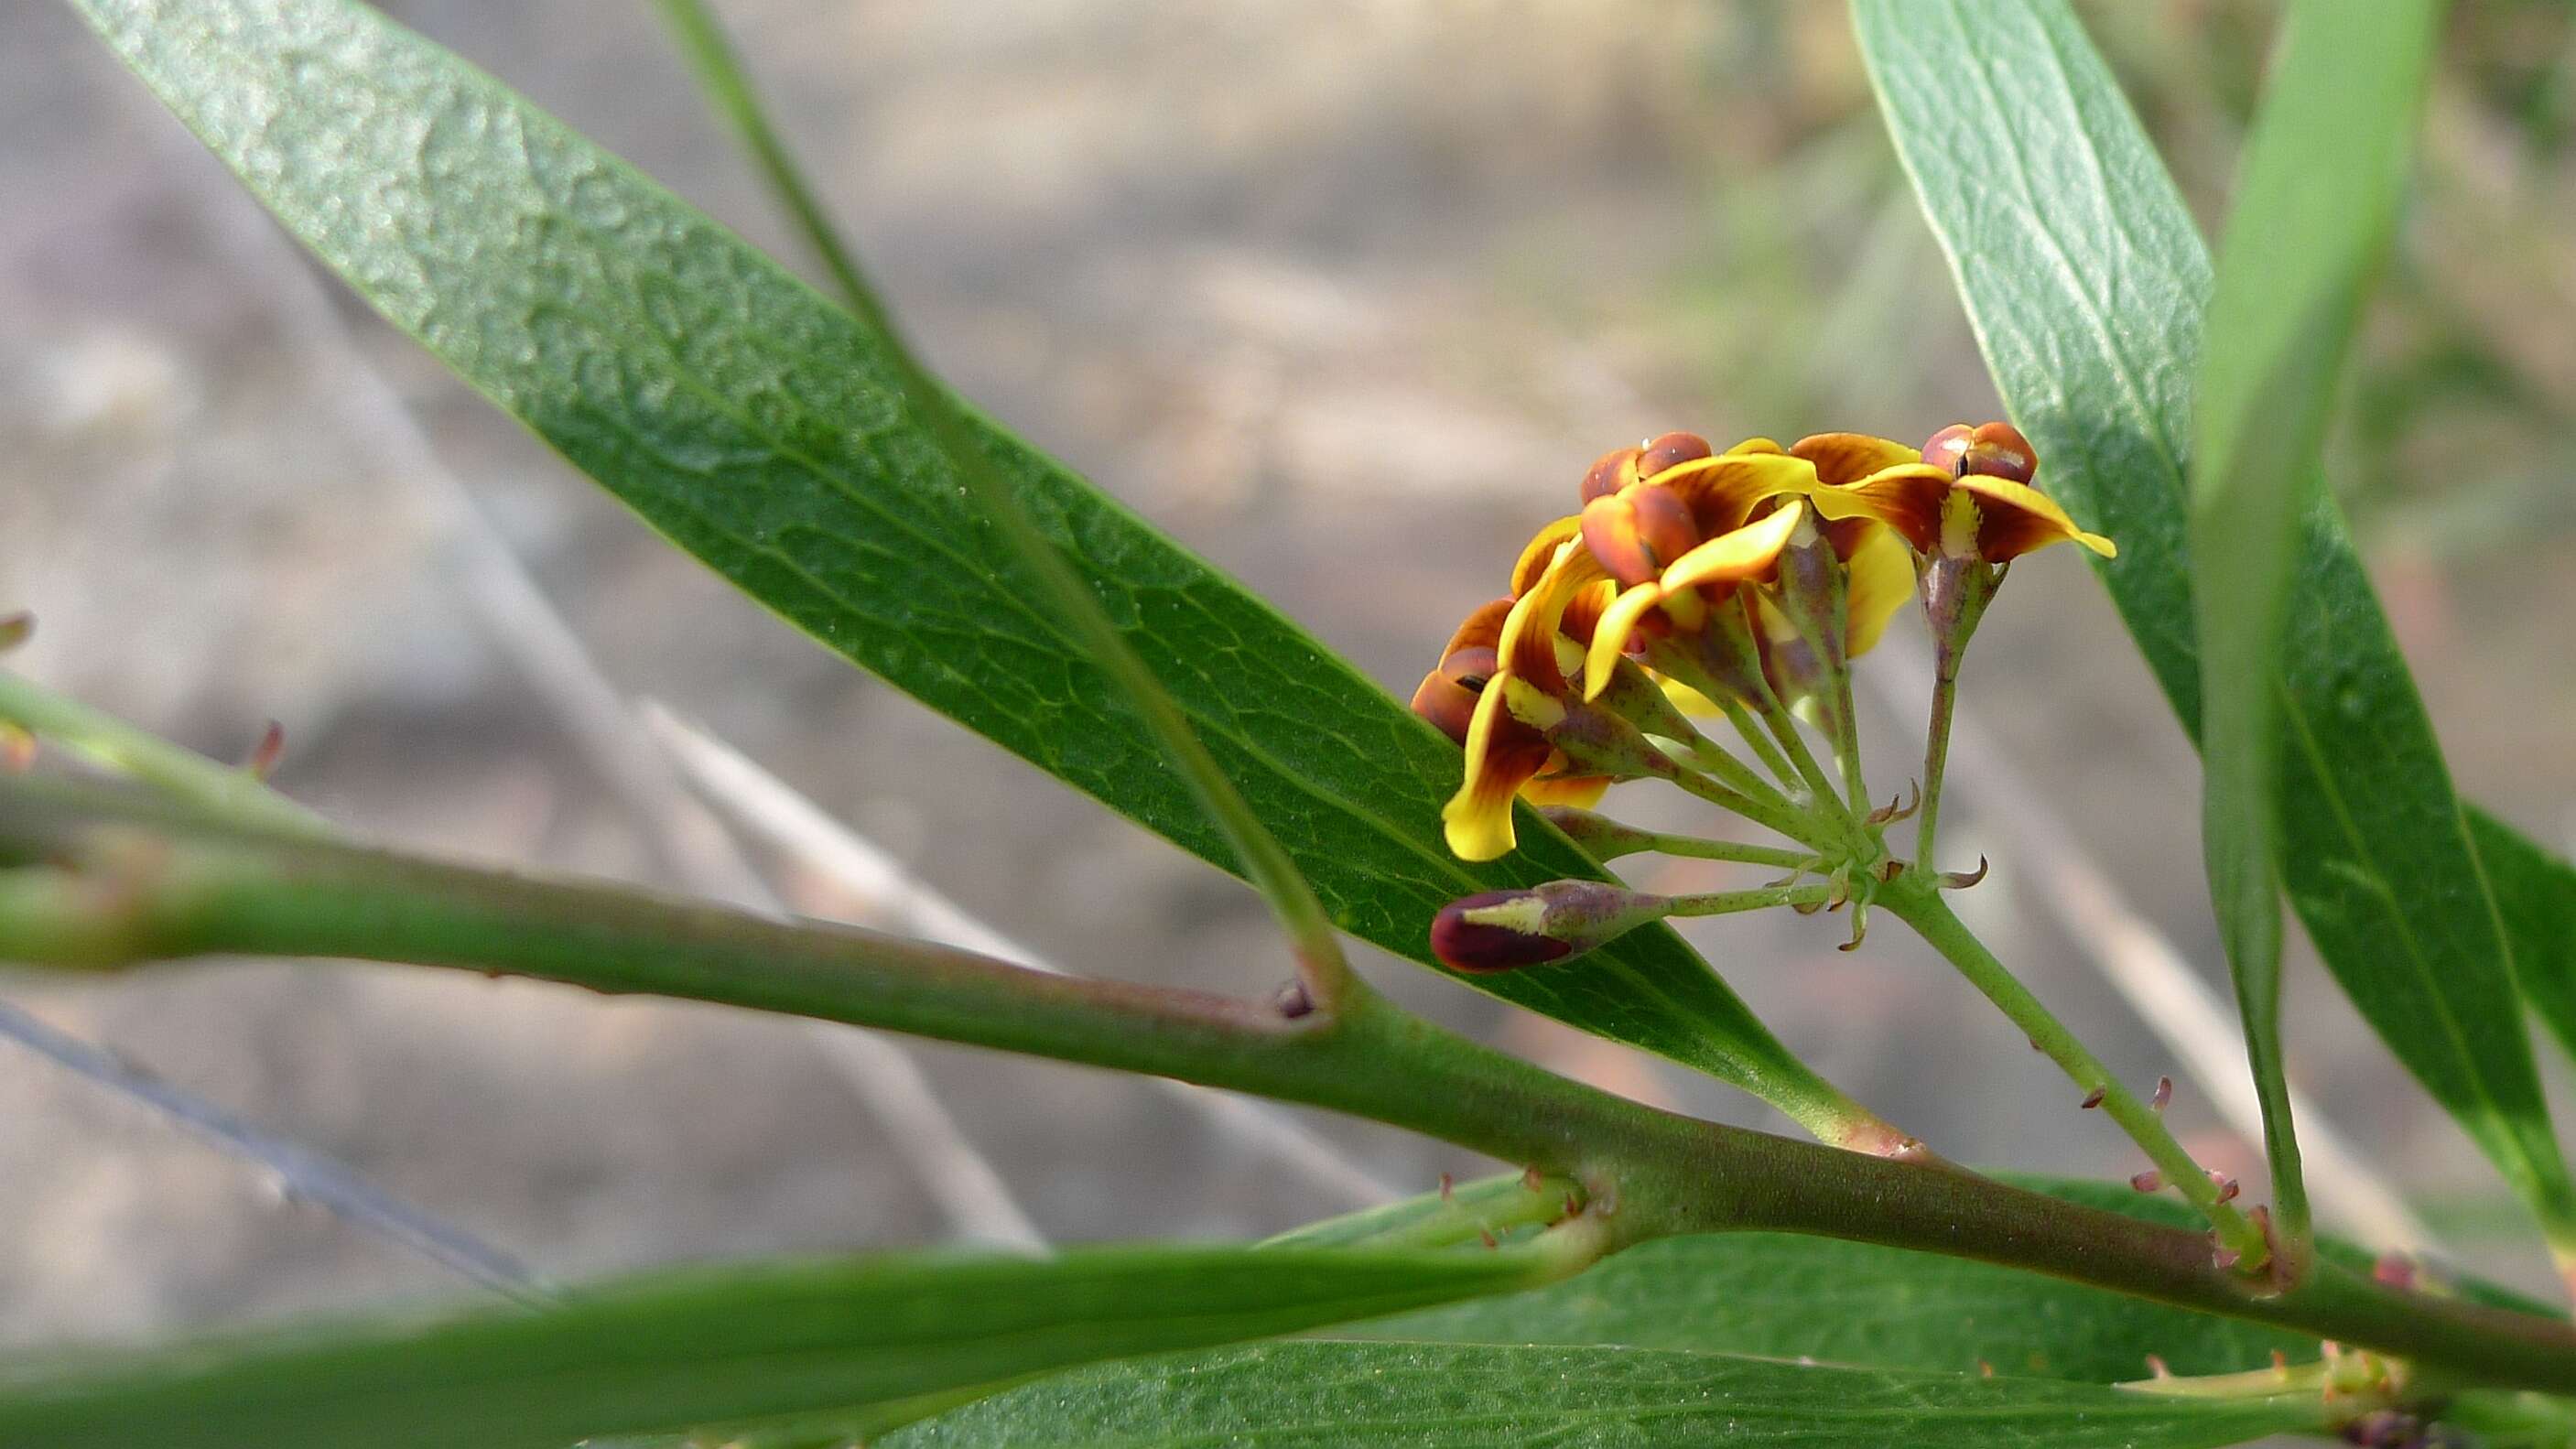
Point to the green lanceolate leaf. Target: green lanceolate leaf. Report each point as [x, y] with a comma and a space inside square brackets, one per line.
[760, 427]
[1779, 1295]
[2316, 204]
[719, 1345]
[2085, 281]
[2536, 892]
[1493, 1396]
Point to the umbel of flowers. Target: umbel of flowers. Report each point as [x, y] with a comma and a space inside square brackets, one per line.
[1732, 586]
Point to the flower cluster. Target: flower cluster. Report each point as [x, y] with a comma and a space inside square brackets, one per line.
[1736, 585]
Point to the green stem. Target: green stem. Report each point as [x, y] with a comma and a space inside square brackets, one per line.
[1936, 756]
[1915, 900]
[1760, 742]
[1727, 903]
[104, 881]
[1800, 826]
[1734, 772]
[222, 790]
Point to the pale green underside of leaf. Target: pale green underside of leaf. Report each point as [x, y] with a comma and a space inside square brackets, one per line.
[669, 1351]
[1435, 1396]
[2085, 281]
[755, 425]
[2316, 204]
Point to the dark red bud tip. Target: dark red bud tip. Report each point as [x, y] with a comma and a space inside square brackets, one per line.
[2093, 1099]
[1495, 941]
[1671, 449]
[1993, 450]
[1611, 472]
[2148, 1181]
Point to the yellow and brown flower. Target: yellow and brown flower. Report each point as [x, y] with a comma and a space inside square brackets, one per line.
[1508, 755]
[1967, 493]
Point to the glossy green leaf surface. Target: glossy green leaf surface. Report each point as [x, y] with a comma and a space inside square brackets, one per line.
[715, 1345]
[1778, 1295]
[1493, 1396]
[2085, 281]
[2536, 892]
[2317, 198]
[758, 426]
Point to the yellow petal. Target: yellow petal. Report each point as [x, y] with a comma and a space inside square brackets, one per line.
[1687, 699]
[1610, 636]
[1880, 581]
[2019, 518]
[1907, 497]
[1845, 458]
[1723, 491]
[1731, 558]
[1542, 548]
[1757, 445]
[1581, 792]
[1532, 647]
[1478, 819]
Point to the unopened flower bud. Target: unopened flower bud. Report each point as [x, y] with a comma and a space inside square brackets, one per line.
[1611, 472]
[1671, 450]
[1637, 533]
[1506, 930]
[1993, 450]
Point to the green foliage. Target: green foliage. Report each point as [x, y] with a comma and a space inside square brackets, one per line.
[793, 446]
[1781, 1296]
[760, 427]
[2316, 205]
[1432, 1396]
[2085, 281]
[717, 1345]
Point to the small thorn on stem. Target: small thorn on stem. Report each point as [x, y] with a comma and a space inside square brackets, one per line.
[2164, 1095]
[263, 757]
[2093, 1099]
[1573, 1209]
[1985, 1370]
[1447, 1186]
[15, 629]
[2394, 1269]
[2148, 1181]
[1293, 1002]
[2225, 1258]
[2156, 1366]
[1488, 1235]
[2227, 1186]
[1959, 880]
[1530, 1178]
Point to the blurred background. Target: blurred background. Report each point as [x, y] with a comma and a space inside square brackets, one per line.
[1346, 296]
